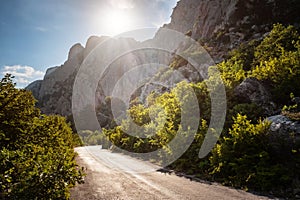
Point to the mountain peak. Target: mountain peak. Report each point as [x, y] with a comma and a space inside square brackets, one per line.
[75, 50]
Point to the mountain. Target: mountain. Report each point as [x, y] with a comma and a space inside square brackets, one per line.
[219, 26]
[223, 25]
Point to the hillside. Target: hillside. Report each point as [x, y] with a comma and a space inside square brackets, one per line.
[224, 25]
[221, 104]
[218, 26]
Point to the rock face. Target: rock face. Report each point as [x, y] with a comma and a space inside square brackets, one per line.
[206, 17]
[35, 87]
[219, 25]
[252, 90]
[54, 92]
[283, 131]
[54, 96]
[225, 24]
[283, 125]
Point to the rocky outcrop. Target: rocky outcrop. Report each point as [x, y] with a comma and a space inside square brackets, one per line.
[56, 88]
[252, 90]
[281, 124]
[35, 87]
[284, 135]
[91, 43]
[206, 17]
[225, 24]
[218, 25]
[75, 50]
[54, 92]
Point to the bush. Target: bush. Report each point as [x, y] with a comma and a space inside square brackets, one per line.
[274, 61]
[94, 138]
[36, 151]
[280, 37]
[281, 72]
[249, 157]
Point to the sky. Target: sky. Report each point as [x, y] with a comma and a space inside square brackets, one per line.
[37, 34]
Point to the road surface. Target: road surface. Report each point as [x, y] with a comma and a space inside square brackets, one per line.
[113, 176]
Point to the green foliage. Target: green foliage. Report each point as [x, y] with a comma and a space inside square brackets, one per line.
[279, 38]
[247, 157]
[16, 112]
[36, 153]
[252, 111]
[277, 60]
[274, 61]
[94, 138]
[189, 162]
[232, 75]
[156, 125]
[282, 72]
[234, 70]
[165, 113]
[139, 114]
[204, 102]
[245, 54]
[292, 111]
[233, 159]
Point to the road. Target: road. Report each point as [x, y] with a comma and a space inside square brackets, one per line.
[113, 176]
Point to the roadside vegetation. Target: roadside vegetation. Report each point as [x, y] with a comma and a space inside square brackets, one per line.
[37, 158]
[247, 154]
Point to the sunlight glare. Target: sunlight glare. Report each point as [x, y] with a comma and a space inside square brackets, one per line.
[116, 22]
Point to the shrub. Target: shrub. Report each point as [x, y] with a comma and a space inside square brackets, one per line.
[282, 72]
[249, 156]
[280, 37]
[36, 151]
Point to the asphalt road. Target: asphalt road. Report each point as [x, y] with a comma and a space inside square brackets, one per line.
[116, 176]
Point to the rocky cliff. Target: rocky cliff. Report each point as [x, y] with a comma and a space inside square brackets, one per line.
[217, 25]
[223, 25]
[54, 92]
[206, 17]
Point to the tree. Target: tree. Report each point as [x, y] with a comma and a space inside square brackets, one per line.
[17, 112]
[36, 151]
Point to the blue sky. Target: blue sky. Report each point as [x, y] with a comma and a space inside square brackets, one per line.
[37, 34]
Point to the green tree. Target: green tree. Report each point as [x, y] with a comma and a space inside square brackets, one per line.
[17, 112]
[37, 159]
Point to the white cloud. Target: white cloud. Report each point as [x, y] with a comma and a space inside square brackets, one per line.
[21, 80]
[23, 74]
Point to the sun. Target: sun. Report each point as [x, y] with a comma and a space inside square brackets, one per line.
[116, 22]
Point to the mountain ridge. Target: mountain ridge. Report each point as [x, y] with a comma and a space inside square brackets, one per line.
[218, 26]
